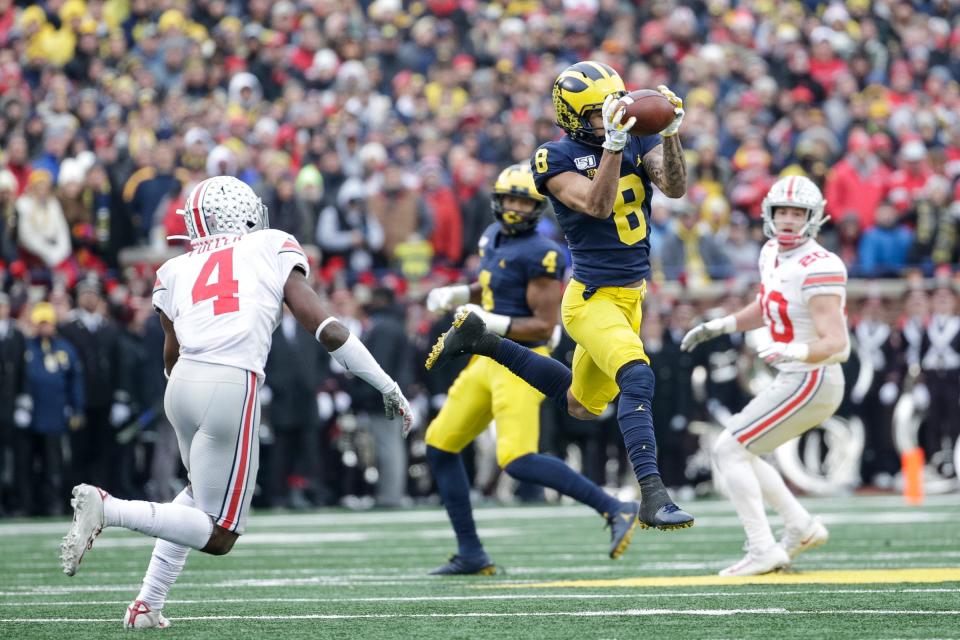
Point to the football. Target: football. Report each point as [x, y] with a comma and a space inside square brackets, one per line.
[652, 111]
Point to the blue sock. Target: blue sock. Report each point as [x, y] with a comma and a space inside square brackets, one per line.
[544, 374]
[454, 489]
[635, 415]
[554, 473]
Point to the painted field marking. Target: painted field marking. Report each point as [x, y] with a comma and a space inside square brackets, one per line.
[864, 576]
[529, 614]
[481, 598]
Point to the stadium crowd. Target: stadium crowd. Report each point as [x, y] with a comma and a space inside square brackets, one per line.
[373, 131]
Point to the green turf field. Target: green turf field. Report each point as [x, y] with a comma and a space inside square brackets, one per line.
[889, 571]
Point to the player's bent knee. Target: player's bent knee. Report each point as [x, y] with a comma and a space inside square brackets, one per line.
[221, 542]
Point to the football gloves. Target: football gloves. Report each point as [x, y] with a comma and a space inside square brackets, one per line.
[395, 404]
[496, 323]
[707, 331]
[782, 352]
[443, 299]
[678, 111]
[615, 132]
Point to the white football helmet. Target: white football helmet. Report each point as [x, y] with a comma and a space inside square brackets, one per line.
[794, 191]
[223, 204]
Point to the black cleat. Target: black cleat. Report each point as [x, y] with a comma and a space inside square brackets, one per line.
[622, 523]
[666, 517]
[481, 565]
[461, 338]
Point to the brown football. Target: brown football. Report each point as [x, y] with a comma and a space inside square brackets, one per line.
[652, 111]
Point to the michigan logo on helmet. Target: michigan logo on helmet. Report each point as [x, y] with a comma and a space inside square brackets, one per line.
[580, 89]
[794, 191]
[517, 180]
[223, 204]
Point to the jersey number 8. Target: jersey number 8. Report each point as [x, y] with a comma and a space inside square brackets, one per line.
[628, 210]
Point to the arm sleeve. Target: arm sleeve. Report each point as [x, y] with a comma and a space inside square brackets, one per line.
[825, 277]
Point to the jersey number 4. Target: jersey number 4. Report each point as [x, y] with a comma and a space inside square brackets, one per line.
[774, 307]
[223, 289]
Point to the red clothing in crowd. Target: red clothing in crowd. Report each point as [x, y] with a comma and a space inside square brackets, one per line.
[447, 237]
[905, 186]
[848, 190]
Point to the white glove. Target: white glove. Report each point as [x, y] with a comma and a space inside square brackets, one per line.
[678, 111]
[780, 352]
[888, 393]
[496, 323]
[23, 414]
[445, 298]
[615, 133]
[554, 338]
[395, 404]
[921, 397]
[119, 413]
[708, 331]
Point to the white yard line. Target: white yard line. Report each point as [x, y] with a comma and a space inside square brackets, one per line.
[529, 614]
[487, 598]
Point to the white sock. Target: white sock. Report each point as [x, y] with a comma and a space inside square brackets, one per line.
[175, 523]
[165, 564]
[734, 463]
[776, 493]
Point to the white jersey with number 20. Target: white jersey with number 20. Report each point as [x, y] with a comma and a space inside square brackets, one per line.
[788, 281]
[225, 296]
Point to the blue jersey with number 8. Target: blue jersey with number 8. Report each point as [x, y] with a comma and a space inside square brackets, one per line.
[614, 251]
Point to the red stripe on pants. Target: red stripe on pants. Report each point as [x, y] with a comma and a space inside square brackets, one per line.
[237, 491]
[804, 394]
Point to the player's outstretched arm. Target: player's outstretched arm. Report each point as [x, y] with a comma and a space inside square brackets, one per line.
[744, 320]
[343, 346]
[171, 346]
[665, 163]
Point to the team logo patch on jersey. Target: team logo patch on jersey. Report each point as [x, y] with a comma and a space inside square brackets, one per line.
[585, 162]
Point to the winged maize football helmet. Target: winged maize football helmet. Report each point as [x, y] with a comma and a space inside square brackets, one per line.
[580, 89]
[517, 180]
[223, 204]
[794, 191]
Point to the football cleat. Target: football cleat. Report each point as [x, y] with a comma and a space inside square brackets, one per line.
[87, 524]
[140, 616]
[460, 338]
[796, 541]
[758, 563]
[622, 524]
[458, 565]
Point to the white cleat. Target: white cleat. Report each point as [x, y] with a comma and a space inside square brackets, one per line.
[87, 524]
[758, 563]
[140, 616]
[796, 541]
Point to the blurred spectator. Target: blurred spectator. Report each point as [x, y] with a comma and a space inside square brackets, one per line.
[400, 209]
[8, 216]
[858, 183]
[447, 235]
[940, 361]
[690, 252]
[95, 338]
[41, 228]
[907, 182]
[937, 238]
[350, 231]
[12, 386]
[884, 247]
[52, 404]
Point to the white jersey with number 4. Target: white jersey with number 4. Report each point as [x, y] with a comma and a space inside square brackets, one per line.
[788, 281]
[225, 296]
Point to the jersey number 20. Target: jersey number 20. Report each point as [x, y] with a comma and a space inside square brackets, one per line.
[223, 289]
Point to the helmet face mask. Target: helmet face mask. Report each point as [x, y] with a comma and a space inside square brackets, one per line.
[517, 181]
[799, 192]
[223, 205]
[580, 90]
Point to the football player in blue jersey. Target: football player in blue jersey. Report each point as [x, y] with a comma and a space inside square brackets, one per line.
[599, 179]
[517, 294]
